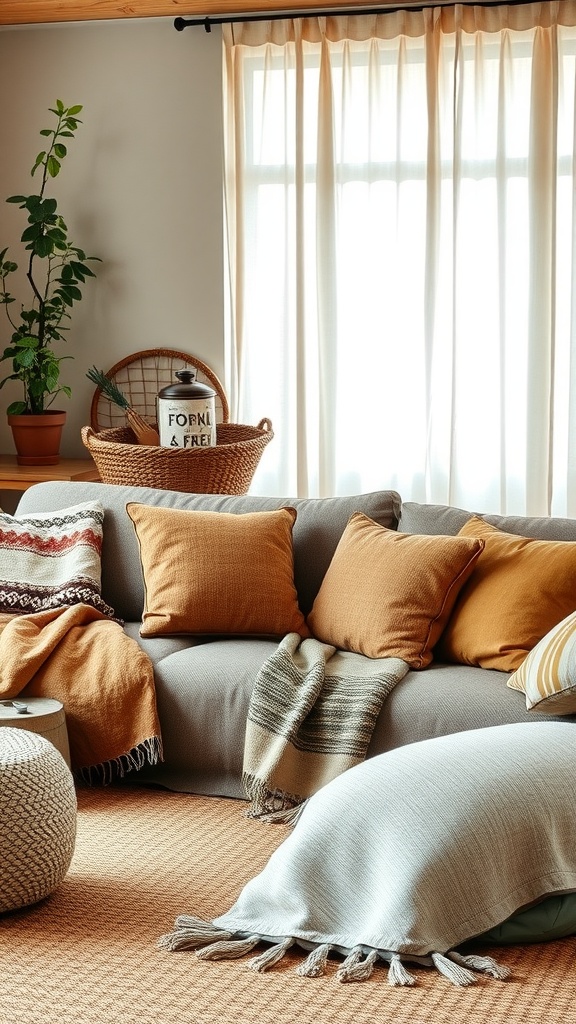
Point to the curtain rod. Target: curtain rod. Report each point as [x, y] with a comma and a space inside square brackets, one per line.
[209, 20]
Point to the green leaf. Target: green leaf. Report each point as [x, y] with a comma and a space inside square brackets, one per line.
[26, 358]
[28, 341]
[31, 234]
[16, 408]
[53, 166]
[38, 161]
[57, 236]
[60, 108]
[16, 199]
[32, 202]
[67, 274]
[74, 110]
[68, 135]
[69, 293]
[46, 131]
[43, 246]
[60, 150]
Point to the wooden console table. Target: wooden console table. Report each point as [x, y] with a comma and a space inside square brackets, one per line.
[19, 478]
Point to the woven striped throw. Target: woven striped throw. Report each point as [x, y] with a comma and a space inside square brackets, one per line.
[311, 717]
[52, 560]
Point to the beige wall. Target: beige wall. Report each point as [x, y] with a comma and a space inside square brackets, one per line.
[141, 187]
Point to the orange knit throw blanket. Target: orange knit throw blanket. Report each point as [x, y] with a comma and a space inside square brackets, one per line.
[102, 677]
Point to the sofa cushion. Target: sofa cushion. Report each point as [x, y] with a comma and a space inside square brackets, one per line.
[52, 559]
[217, 573]
[387, 594]
[519, 589]
[317, 530]
[548, 675]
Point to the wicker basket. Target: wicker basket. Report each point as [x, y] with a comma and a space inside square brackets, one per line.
[225, 468]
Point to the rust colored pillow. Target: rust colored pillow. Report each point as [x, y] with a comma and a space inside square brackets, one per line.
[519, 590]
[389, 594]
[217, 572]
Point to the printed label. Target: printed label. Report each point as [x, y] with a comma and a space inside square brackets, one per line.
[189, 423]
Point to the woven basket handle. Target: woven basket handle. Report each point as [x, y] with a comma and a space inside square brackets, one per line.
[86, 433]
[265, 424]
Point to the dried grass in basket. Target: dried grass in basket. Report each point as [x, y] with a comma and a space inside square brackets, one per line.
[225, 468]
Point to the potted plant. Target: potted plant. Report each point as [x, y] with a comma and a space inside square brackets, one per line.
[55, 271]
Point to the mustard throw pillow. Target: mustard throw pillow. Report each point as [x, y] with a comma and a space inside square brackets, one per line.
[217, 572]
[519, 590]
[389, 594]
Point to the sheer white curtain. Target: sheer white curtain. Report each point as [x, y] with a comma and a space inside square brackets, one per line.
[401, 236]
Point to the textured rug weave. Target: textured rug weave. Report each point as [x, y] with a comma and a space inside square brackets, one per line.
[88, 955]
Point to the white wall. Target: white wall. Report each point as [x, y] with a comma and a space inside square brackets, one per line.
[141, 187]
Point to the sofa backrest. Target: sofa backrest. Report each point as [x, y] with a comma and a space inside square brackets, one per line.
[447, 519]
[319, 525]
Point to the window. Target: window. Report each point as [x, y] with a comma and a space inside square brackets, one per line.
[400, 212]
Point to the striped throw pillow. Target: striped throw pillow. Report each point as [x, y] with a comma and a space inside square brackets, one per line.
[548, 675]
[51, 559]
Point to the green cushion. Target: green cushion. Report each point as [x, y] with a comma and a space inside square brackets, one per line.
[553, 918]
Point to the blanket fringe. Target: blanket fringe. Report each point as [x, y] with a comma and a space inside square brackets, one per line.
[270, 805]
[270, 956]
[483, 964]
[192, 933]
[315, 964]
[356, 969]
[148, 752]
[212, 943]
[228, 949]
[397, 973]
[354, 957]
[455, 973]
[287, 816]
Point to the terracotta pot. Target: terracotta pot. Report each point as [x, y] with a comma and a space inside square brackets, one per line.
[37, 437]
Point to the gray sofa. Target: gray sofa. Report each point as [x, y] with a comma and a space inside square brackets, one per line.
[204, 685]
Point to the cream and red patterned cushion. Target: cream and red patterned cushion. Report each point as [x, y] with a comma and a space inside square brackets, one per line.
[51, 559]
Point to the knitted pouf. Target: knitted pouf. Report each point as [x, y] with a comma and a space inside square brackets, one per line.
[37, 818]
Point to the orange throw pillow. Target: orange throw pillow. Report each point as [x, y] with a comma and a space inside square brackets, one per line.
[217, 572]
[519, 590]
[389, 594]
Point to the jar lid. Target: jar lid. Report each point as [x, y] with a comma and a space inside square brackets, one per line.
[187, 387]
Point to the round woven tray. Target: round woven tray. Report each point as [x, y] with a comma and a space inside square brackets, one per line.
[225, 468]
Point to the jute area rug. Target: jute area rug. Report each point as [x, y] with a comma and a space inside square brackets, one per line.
[87, 954]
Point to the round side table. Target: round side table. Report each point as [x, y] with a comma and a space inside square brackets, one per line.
[44, 716]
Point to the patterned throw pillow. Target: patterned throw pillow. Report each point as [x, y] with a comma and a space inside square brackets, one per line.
[51, 559]
[548, 675]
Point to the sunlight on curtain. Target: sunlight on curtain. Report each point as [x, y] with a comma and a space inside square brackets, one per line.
[400, 212]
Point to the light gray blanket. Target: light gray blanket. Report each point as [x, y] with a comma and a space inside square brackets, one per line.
[410, 854]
